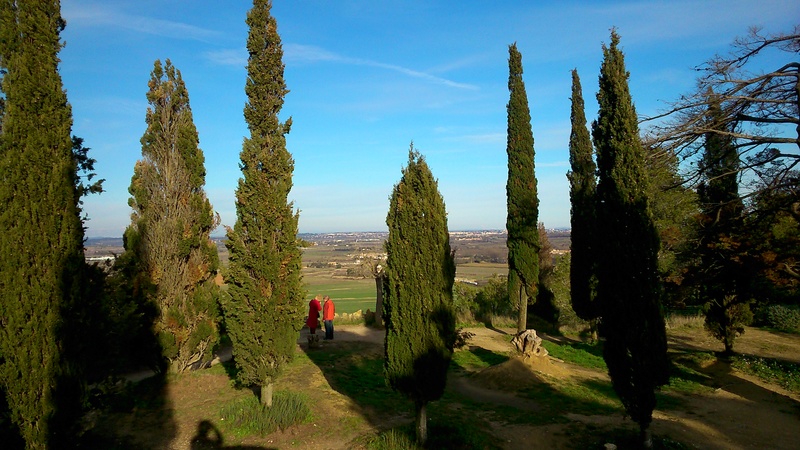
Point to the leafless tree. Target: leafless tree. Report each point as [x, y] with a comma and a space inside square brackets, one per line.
[758, 87]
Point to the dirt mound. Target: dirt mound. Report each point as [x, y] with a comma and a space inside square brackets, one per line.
[519, 373]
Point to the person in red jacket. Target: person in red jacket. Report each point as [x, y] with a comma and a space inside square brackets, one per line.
[313, 314]
[328, 312]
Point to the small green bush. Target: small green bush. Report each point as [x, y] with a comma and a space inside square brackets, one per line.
[247, 416]
[783, 318]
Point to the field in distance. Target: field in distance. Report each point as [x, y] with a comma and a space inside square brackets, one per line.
[336, 264]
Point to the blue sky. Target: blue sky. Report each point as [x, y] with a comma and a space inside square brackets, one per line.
[367, 77]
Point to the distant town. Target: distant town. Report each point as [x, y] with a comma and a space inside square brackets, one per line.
[466, 243]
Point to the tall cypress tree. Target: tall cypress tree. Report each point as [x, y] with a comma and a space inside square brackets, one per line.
[41, 244]
[264, 306]
[171, 223]
[523, 204]
[583, 185]
[420, 271]
[720, 270]
[628, 285]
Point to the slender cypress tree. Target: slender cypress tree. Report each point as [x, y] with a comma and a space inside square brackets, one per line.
[420, 270]
[722, 277]
[522, 221]
[583, 185]
[264, 306]
[628, 285]
[171, 223]
[41, 244]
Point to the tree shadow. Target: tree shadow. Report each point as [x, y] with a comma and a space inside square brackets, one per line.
[133, 416]
[722, 371]
[489, 357]
[208, 437]
[469, 405]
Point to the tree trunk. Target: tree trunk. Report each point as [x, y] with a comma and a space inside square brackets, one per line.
[379, 301]
[421, 424]
[646, 437]
[266, 394]
[522, 320]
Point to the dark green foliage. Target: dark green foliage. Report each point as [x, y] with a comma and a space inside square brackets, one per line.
[721, 269]
[523, 204]
[418, 302]
[583, 279]
[628, 284]
[783, 318]
[674, 208]
[167, 245]
[41, 244]
[774, 241]
[84, 169]
[545, 307]
[264, 303]
[562, 300]
[492, 301]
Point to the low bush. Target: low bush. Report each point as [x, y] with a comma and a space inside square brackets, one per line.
[783, 318]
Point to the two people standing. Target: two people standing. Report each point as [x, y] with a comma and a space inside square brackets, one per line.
[328, 313]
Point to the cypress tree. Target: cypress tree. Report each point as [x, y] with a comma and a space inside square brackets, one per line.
[722, 277]
[41, 244]
[171, 223]
[523, 204]
[420, 271]
[264, 306]
[628, 285]
[583, 185]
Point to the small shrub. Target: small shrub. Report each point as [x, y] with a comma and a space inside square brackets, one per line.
[391, 440]
[783, 318]
[247, 416]
[462, 338]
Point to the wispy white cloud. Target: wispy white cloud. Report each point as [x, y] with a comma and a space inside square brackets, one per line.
[485, 138]
[104, 16]
[298, 53]
[228, 57]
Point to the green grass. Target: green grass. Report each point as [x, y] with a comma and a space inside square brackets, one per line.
[348, 295]
[441, 435]
[247, 416]
[578, 353]
[355, 369]
[588, 397]
[783, 373]
[477, 358]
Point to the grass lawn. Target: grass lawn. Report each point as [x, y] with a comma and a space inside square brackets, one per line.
[348, 295]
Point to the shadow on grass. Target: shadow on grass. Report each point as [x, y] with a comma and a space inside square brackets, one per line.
[208, 437]
[146, 405]
[488, 357]
[468, 410]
